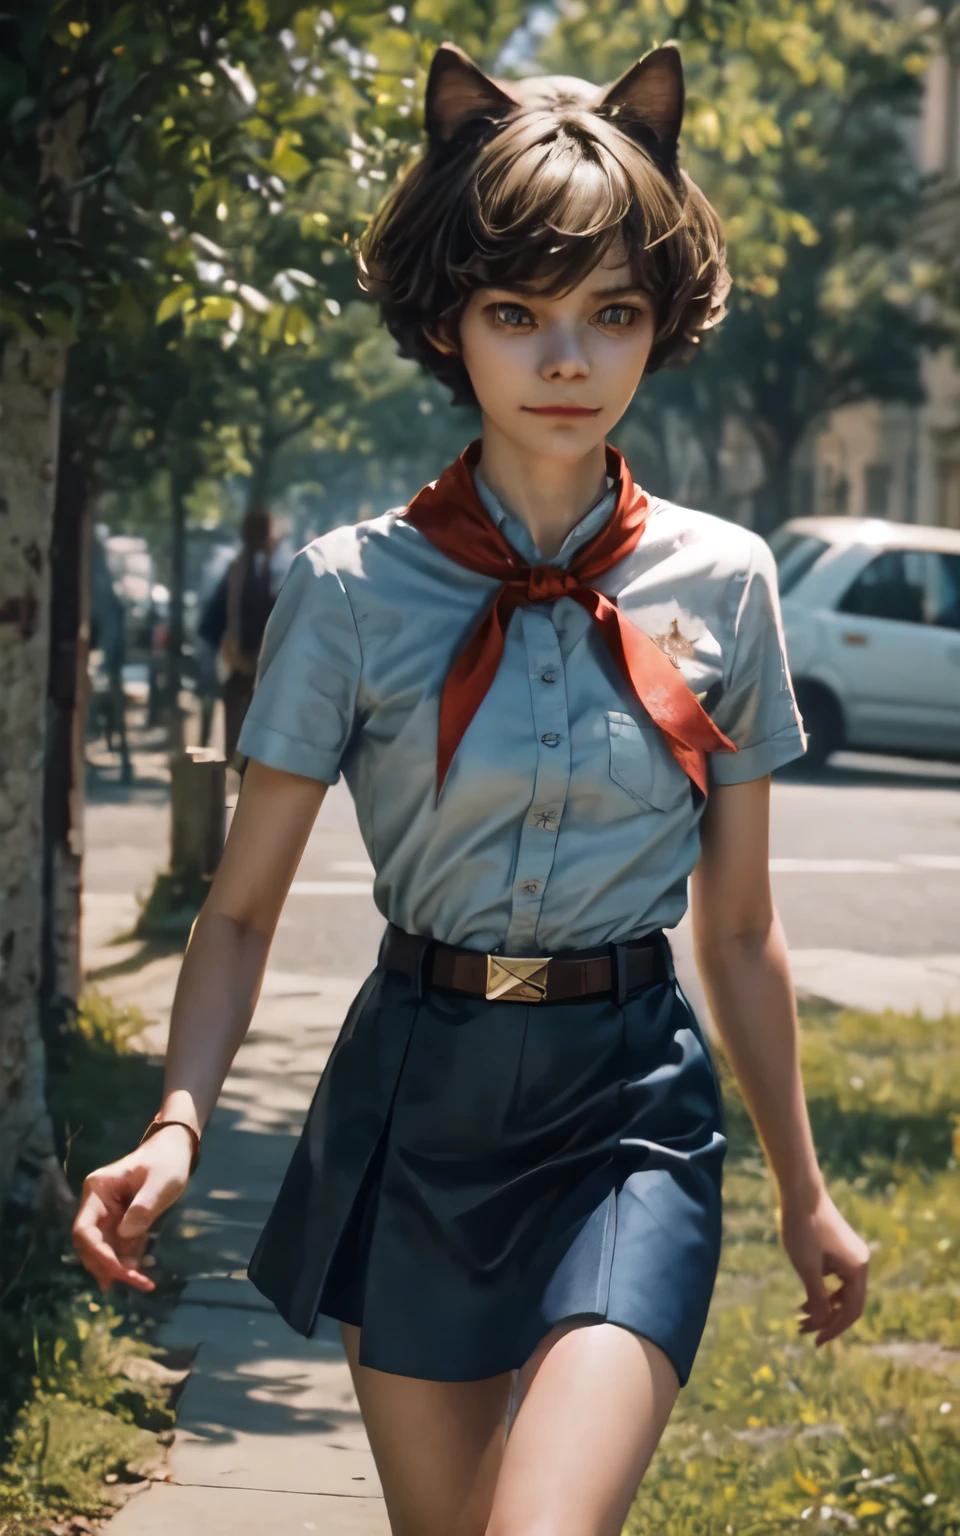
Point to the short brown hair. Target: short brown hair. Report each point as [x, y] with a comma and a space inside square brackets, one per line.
[533, 203]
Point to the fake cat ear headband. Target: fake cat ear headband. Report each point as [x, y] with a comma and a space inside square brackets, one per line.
[646, 102]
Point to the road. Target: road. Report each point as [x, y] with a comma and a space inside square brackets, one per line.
[865, 861]
[888, 835]
[854, 858]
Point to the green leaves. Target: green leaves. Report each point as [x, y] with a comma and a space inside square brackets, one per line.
[286, 161]
[243, 150]
[795, 129]
[173, 302]
[235, 155]
[259, 14]
[212, 308]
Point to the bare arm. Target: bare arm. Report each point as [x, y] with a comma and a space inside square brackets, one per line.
[223, 967]
[216, 994]
[742, 957]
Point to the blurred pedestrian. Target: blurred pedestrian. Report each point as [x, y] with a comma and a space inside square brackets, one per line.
[235, 618]
[108, 633]
[554, 697]
[207, 685]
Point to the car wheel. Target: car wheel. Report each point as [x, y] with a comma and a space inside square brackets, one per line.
[823, 723]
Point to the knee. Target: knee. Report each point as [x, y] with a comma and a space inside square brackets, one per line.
[430, 1525]
[556, 1524]
[417, 1526]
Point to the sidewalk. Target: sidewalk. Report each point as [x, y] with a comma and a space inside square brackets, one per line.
[269, 1434]
[925, 984]
[268, 1430]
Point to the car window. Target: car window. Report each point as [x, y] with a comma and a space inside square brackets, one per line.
[946, 591]
[893, 586]
[795, 554]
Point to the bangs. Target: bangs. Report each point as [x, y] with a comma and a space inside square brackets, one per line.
[551, 200]
[533, 205]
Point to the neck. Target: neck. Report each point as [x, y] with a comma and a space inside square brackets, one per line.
[549, 495]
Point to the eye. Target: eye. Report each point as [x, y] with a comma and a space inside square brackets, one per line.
[619, 316]
[514, 317]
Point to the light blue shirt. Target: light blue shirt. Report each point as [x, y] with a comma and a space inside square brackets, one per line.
[564, 821]
[517, 534]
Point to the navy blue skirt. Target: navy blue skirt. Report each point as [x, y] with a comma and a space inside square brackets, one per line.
[471, 1174]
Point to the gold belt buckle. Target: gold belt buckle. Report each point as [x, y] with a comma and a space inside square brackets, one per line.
[512, 978]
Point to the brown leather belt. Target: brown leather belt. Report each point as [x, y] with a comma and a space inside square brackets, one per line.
[618, 969]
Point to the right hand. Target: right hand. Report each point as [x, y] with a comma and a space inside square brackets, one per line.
[120, 1203]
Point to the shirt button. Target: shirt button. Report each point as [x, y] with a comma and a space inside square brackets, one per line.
[548, 677]
[531, 887]
[550, 739]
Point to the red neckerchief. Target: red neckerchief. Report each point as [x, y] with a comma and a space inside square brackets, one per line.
[451, 515]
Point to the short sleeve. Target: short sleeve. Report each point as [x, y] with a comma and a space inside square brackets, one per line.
[302, 712]
[757, 709]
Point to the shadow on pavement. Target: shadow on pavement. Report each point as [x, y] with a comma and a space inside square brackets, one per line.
[103, 784]
[255, 1379]
[147, 950]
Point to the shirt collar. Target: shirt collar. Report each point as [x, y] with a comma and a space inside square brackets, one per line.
[521, 539]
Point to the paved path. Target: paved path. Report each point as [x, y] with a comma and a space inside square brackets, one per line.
[269, 1434]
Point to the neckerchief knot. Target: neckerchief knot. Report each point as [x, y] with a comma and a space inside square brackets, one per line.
[545, 583]
[450, 514]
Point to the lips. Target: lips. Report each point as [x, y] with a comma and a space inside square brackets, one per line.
[562, 410]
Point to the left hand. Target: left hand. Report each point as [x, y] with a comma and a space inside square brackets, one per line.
[819, 1242]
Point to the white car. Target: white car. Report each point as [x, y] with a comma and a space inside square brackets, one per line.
[871, 612]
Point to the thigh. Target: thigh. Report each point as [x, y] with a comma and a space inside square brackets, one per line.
[594, 1400]
[437, 1445]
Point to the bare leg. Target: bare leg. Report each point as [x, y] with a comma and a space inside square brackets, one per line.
[594, 1400]
[437, 1445]
[126, 769]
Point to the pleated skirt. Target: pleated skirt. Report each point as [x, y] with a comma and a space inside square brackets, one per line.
[471, 1173]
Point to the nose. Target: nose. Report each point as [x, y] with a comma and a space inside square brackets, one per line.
[564, 355]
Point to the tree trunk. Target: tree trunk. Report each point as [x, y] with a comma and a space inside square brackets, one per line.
[258, 491]
[60, 979]
[771, 502]
[31, 374]
[711, 444]
[197, 815]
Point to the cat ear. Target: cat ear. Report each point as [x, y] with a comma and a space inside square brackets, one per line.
[457, 91]
[650, 96]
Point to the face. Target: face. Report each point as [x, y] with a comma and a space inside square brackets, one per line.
[556, 374]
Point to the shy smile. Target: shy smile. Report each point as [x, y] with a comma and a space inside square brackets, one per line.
[561, 410]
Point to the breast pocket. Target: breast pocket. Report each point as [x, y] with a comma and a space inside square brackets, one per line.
[642, 764]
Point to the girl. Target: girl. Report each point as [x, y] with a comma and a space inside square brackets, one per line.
[554, 697]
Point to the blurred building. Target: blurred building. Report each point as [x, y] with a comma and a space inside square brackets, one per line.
[893, 460]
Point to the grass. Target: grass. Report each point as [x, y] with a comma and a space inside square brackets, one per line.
[772, 1435]
[85, 1400]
